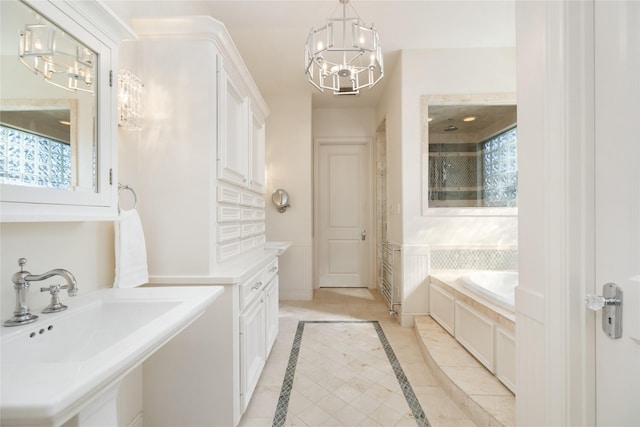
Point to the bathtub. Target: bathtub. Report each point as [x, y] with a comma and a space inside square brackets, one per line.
[497, 286]
[477, 309]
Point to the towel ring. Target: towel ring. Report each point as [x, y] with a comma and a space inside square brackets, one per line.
[126, 187]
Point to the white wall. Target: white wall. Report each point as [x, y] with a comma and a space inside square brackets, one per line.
[289, 160]
[390, 111]
[343, 122]
[435, 72]
[448, 71]
[83, 248]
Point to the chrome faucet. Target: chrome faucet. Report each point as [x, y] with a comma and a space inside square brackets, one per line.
[21, 281]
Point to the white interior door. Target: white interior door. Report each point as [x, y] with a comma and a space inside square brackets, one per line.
[344, 215]
[617, 130]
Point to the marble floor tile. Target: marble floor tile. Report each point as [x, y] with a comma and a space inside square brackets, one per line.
[343, 375]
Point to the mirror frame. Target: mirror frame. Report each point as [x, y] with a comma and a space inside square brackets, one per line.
[455, 99]
[101, 30]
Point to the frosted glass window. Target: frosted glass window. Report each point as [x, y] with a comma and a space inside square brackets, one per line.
[500, 169]
[33, 160]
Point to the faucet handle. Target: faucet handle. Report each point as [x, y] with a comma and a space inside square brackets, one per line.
[54, 289]
[22, 262]
[55, 305]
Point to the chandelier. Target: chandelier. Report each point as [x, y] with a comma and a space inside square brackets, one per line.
[58, 57]
[344, 55]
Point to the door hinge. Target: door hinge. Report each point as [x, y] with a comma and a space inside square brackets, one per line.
[110, 176]
[110, 78]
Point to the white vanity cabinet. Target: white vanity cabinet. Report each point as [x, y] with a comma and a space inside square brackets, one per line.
[256, 174]
[271, 298]
[241, 136]
[233, 131]
[258, 327]
[221, 356]
[200, 196]
[201, 151]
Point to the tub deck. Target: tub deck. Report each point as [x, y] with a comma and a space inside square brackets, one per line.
[499, 314]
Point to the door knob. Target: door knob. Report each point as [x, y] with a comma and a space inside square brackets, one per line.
[611, 304]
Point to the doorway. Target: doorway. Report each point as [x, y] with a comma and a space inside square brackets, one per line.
[344, 212]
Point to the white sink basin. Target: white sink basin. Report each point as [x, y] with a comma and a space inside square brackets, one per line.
[280, 246]
[53, 368]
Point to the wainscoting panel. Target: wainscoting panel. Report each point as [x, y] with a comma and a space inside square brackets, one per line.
[415, 283]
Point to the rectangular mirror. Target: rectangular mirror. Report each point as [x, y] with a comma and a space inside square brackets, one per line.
[56, 111]
[469, 146]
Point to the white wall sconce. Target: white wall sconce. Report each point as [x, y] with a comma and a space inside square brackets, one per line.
[60, 59]
[129, 101]
[280, 199]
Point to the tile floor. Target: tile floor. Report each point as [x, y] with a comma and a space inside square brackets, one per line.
[327, 391]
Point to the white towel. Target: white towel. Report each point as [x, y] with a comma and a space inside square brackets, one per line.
[131, 252]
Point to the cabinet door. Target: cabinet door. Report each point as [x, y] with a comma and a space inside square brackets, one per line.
[271, 313]
[252, 349]
[256, 182]
[233, 132]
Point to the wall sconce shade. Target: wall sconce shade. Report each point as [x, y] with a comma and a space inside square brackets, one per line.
[129, 101]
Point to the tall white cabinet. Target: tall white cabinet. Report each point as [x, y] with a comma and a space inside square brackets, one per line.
[201, 199]
[201, 150]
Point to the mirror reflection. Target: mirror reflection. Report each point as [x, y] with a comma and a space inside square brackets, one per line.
[472, 155]
[47, 107]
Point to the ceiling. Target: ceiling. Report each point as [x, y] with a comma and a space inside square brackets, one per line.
[488, 119]
[270, 35]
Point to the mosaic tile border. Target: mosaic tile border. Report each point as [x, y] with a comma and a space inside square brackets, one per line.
[287, 384]
[474, 259]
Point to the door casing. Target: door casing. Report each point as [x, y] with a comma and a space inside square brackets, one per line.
[371, 232]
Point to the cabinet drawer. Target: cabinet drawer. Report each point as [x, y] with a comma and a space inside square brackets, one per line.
[248, 230]
[247, 214]
[228, 232]
[246, 199]
[228, 195]
[248, 243]
[251, 289]
[259, 202]
[228, 250]
[271, 270]
[228, 214]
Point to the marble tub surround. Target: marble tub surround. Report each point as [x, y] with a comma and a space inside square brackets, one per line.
[449, 282]
[464, 380]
